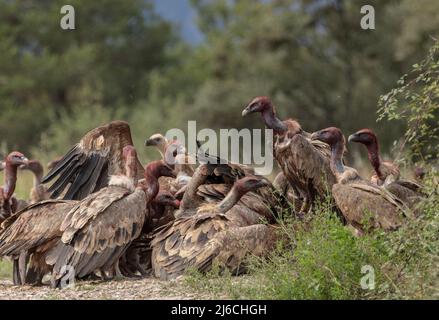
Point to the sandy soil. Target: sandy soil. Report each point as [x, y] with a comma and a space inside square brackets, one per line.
[147, 288]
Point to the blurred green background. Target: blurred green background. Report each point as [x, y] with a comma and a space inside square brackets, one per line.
[126, 60]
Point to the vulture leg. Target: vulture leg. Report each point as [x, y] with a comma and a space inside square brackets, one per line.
[16, 273]
[22, 266]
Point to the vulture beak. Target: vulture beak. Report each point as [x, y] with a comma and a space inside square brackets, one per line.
[352, 137]
[315, 135]
[149, 142]
[246, 111]
[25, 161]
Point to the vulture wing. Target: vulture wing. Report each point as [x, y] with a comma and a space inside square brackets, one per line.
[361, 203]
[305, 164]
[97, 231]
[33, 226]
[87, 166]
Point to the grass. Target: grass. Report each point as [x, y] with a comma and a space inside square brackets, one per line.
[321, 259]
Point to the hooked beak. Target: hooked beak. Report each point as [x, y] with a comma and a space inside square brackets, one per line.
[352, 138]
[149, 142]
[315, 135]
[246, 111]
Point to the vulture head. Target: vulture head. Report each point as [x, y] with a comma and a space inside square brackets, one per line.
[33, 165]
[156, 140]
[364, 136]
[158, 169]
[165, 198]
[16, 159]
[332, 136]
[258, 104]
[250, 183]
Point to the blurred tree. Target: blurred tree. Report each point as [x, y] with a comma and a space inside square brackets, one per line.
[46, 71]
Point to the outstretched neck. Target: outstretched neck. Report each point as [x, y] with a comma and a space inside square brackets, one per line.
[337, 150]
[373, 152]
[272, 121]
[10, 180]
[38, 176]
[190, 197]
[229, 201]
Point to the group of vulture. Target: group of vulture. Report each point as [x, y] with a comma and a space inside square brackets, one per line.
[106, 216]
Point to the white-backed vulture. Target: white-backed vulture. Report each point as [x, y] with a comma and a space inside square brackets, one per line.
[87, 167]
[360, 201]
[215, 233]
[387, 174]
[305, 163]
[8, 203]
[98, 230]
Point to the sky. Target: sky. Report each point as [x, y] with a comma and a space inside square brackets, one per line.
[180, 13]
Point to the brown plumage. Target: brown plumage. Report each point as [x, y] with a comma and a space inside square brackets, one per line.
[31, 232]
[98, 229]
[387, 174]
[137, 258]
[359, 200]
[132, 260]
[8, 203]
[215, 233]
[304, 162]
[87, 167]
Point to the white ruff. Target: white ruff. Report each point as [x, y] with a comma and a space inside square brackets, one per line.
[122, 181]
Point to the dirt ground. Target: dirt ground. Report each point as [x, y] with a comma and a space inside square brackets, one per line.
[147, 288]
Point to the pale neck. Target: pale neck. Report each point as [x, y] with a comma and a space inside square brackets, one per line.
[229, 201]
[190, 195]
[273, 122]
[337, 166]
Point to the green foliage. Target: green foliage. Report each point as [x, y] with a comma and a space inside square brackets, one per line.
[416, 102]
[321, 259]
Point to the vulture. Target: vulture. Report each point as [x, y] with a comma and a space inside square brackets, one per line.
[304, 162]
[87, 167]
[213, 234]
[175, 155]
[131, 260]
[387, 173]
[8, 203]
[31, 232]
[38, 192]
[139, 252]
[359, 200]
[99, 228]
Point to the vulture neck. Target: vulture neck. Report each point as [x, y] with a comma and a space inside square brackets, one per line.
[230, 200]
[190, 196]
[38, 176]
[152, 181]
[373, 153]
[273, 122]
[337, 150]
[10, 180]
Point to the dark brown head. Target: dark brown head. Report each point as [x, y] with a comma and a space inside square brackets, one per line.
[165, 198]
[16, 159]
[158, 169]
[250, 183]
[364, 136]
[33, 165]
[258, 104]
[331, 136]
